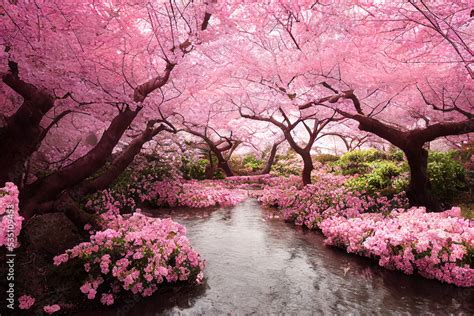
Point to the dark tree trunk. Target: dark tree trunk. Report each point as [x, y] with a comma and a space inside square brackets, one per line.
[419, 188]
[411, 143]
[210, 171]
[210, 168]
[270, 160]
[304, 152]
[22, 134]
[224, 165]
[222, 162]
[307, 168]
[121, 162]
[48, 188]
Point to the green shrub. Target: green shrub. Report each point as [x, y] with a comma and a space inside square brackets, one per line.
[396, 155]
[123, 181]
[446, 175]
[384, 176]
[219, 174]
[355, 161]
[367, 155]
[251, 162]
[325, 158]
[246, 164]
[193, 169]
[388, 173]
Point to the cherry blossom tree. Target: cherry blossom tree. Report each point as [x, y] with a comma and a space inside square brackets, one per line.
[312, 123]
[111, 54]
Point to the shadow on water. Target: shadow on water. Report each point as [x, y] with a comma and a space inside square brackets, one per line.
[260, 265]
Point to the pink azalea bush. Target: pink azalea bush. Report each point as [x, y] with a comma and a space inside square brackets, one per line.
[169, 192]
[435, 245]
[135, 254]
[327, 197]
[192, 193]
[10, 219]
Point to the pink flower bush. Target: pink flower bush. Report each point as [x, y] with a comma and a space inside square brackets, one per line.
[192, 193]
[25, 302]
[110, 203]
[170, 192]
[435, 245]
[10, 220]
[327, 197]
[107, 299]
[134, 254]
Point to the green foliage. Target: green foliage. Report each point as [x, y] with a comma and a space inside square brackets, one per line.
[251, 162]
[246, 164]
[194, 169]
[355, 161]
[446, 175]
[387, 173]
[386, 177]
[325, 158]
[219, 174]
[367, 155]
[396, 155]
[124, 181]
[154, 167]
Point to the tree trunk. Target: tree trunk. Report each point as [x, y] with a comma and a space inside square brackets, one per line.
[224, 165]
[210, 171]
[270, 160]
[307, 168]
[48, 188]
[121, 162]
[71, 209]
[418, 191]
[22, 134]
[210, 168]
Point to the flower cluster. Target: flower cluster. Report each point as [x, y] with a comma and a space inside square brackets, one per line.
[134, 254]
[192, 193]
[25, 302]
[10, 220]
[327, 197]
[169, 192]
[110, 203]
[51, 309]
[435, 245]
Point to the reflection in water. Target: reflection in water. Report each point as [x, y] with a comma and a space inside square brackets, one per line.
[261, 265]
